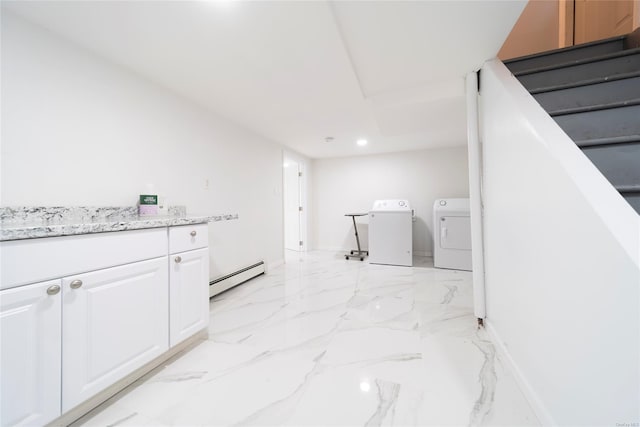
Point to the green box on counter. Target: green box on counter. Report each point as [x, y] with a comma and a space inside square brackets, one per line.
[148, 205]
[148, 199]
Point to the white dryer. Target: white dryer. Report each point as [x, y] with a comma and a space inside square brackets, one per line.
[452, 234]
[391, 233]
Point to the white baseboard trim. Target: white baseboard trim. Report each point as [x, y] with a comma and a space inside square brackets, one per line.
[271, 265]
[83, 411]
[532, 397]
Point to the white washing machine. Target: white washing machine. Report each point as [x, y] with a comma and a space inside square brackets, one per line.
[452, 234]
[391, 233]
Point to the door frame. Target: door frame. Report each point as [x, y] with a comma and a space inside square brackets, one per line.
[303, 185]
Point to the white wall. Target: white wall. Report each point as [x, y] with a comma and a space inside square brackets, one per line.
[77, 130]
[562, 264]
[352, 184]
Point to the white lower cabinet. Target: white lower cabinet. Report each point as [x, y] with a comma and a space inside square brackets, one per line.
[30, 331]
[114, 321]
[188, 294]
[118, 301]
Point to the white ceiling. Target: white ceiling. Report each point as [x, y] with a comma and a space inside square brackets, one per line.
[297, 72]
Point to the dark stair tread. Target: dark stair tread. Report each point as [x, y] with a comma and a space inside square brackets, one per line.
[620, 163]
[632, 188]
[633, 199]
[632, 40]
[565, 49]
[589, 60]
[587, 82]
[612, 122]
[608, 141]
[604, 93]
[603, 120]
[554, 78]
[597, 107]
[568, 49]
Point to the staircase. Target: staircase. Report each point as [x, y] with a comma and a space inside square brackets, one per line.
[593, 92]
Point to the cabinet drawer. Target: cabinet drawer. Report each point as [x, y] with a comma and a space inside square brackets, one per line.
[35, 260]
[187, 237]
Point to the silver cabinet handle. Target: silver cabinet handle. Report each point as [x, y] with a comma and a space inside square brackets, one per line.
[53, 290]
[193, 233]
[178, 259]
[75, 284]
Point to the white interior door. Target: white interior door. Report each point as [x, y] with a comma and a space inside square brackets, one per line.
[292, 205]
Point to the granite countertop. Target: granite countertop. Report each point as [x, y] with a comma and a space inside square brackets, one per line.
[18, 223]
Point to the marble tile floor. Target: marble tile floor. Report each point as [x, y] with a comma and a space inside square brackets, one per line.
[329, 342]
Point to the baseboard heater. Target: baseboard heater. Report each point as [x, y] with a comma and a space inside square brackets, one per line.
[223, 283]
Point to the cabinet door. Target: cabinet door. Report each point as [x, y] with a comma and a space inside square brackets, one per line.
[189, 294]
[30, 325]
[114, 321]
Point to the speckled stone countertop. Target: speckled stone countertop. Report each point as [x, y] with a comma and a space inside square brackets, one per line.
[18, 223]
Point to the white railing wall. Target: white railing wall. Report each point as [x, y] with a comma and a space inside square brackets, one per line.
[562, 264]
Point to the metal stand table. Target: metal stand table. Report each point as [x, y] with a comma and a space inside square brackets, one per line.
[359, 253]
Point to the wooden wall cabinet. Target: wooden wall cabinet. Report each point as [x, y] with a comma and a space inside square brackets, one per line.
[552, 24]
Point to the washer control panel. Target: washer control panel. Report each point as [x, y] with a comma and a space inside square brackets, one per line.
[391, 205]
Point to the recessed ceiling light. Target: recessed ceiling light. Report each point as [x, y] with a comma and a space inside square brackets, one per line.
[361, 142]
